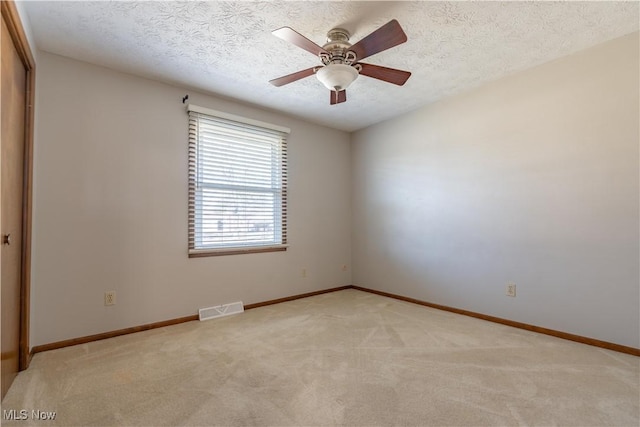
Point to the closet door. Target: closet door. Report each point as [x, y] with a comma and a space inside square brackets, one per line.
[15, 168]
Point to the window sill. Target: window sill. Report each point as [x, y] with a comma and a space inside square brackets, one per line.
[199, 253]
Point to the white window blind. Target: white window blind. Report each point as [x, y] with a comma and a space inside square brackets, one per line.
[237, 184]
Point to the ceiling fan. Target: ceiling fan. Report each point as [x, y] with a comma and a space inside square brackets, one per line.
[341, 60]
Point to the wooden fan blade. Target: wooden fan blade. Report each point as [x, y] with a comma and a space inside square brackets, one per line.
[385, 37]
[337, 98]
[390, 75]
[292, 36]
[290, 78]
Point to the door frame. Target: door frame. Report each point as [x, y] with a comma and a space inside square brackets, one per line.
[14, 25]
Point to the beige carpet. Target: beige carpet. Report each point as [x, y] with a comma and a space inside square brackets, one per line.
[345, 358]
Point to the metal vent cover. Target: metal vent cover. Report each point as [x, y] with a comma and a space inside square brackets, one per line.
[220, 310]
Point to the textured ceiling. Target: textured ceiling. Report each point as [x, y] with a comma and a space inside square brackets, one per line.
[226, 48]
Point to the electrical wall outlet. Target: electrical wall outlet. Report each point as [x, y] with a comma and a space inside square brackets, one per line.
[511, 289]
[110, 298]
[304, 272]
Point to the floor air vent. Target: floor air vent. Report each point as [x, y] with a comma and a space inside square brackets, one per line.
[221, 310]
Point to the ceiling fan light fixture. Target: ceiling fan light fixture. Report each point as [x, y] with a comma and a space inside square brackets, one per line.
[337, 76]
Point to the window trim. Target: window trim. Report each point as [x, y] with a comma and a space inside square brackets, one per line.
[194, 252]
[199, 253]
[239, 119]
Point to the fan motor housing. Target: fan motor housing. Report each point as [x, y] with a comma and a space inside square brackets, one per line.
[338, 47]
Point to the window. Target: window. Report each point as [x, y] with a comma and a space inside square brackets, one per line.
[237, 184]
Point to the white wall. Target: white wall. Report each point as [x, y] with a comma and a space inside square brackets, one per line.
[110, 208]
[531, 179]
